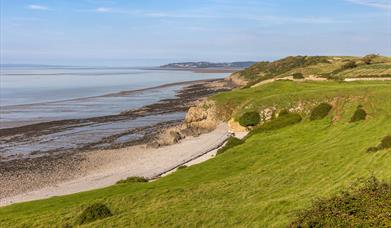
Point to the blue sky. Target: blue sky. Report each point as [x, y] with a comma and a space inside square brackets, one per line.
[144, 32]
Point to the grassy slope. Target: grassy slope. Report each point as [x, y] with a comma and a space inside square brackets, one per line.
[259, 183]
[380, 66]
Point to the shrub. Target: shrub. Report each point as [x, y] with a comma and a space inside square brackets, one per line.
[93, 213]
[365, 205]
[368, 58]
[384, 144]
[249, 119]
[133, 180]
[280, 122]
[298, 76]
[320, 111]
[358, 115]
[283, 112]
[182, 167]
[231, 142]
[372, 149]
[349, 65]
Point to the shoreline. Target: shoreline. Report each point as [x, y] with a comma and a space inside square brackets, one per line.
[165, 111]
[100, 169]
[25, 175]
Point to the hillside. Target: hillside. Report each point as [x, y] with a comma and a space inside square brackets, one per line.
[327, 67]
[264, 182]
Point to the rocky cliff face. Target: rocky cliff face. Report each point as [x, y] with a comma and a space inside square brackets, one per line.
[236, 79]
[201, 118]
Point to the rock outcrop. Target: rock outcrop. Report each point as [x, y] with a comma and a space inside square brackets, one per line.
[236, 79]
[200, 119]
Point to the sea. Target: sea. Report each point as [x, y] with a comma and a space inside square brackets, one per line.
[37, 94]
[32, 94]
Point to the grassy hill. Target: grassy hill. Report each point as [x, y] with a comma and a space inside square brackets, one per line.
[263, 182]
[330, 67]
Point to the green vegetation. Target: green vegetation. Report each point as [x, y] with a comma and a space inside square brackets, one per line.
[182, 167]
[263, 182]
[369, 58]
[94, 212]
[249, 119]
[331, 67]
[133, 180]
[359, 114]
[231, 142]
[384, 144]
[362, 206]
[284, 120]
[320, 111]
[298, 76]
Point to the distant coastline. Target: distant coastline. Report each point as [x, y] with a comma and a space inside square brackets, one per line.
[208, 67]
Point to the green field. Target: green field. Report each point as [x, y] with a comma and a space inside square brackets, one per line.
[260, 183]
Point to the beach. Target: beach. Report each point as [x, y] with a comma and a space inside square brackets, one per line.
[97, 169]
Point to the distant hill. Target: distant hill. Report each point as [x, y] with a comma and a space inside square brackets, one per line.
[328, 67]
[187, 65]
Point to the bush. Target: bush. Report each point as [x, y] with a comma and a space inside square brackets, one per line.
[349, 65]
[133, 180]
[93, 213]
[280, 122]
[249, 119]
[368, 58]
[182, 167]
[298, 76]
[320, 111]
[358, 115]
[231, 142]
[365, 205]
[283, 112]
[384, 144]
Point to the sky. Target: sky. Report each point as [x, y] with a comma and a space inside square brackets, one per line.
[150, 32]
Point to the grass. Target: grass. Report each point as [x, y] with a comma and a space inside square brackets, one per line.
[260, 183]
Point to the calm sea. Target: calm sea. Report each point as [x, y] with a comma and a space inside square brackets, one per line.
[38, 94]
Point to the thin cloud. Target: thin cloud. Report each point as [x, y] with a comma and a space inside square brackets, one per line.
[38, 7]
[381, 4]
[103, 10]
